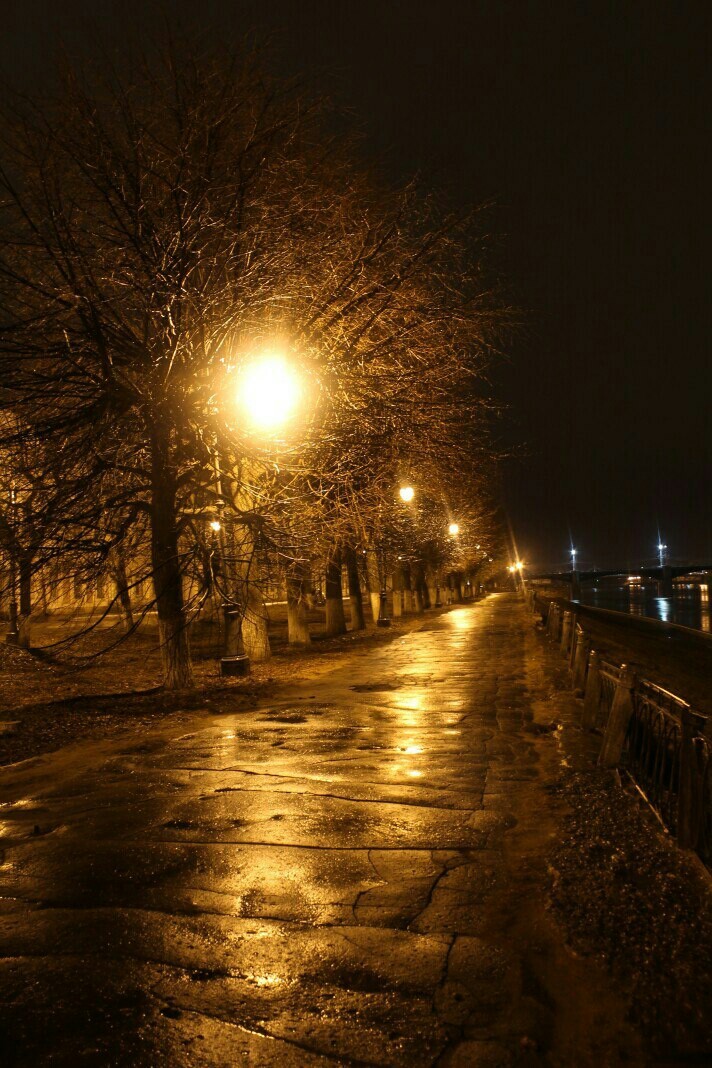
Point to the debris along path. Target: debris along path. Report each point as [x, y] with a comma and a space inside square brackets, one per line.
[354, 873]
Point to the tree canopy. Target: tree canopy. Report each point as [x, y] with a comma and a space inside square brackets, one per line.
[163, 224]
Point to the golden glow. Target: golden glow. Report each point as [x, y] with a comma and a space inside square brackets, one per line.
[410, 702]
[215, 525]
[519, 565]
[269, 391]
[453, 529]
[407, 493]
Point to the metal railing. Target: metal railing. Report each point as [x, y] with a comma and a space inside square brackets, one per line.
[652, 752]
[651, 734]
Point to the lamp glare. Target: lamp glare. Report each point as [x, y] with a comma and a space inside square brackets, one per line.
[268, 392]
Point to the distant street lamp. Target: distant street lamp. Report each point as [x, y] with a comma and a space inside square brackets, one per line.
[453, 530]
[662, 553]
[574, 553]
[406, 494]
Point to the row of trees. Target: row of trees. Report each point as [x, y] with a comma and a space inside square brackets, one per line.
[161, 227]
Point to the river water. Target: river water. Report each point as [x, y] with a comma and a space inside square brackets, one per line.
[689, 606]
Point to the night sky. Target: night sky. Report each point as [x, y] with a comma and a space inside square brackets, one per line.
[587, 123]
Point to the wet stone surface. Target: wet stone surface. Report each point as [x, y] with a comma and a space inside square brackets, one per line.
[353, 874]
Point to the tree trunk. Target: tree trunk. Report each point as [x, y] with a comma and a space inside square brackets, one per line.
[374, 585]
[234, 607]
[117, 569]
[407, 589]
[398, 591]
[254, 627]
[358, 621]
[335, 618]
[420, 589]
[23, 620]
[167, 572]
[298, 587]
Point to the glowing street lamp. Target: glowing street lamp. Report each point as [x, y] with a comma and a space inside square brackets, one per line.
[407, 493]
[453, 530]
[269, 391]
[574, 553]
[662, 550]
[215, 525]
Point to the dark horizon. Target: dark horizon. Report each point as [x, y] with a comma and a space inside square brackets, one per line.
[586, 125]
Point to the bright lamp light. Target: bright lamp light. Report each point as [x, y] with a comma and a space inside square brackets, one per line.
[454, 529]
[407, 493]
[268, 391]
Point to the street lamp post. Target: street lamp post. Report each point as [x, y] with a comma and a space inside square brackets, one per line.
[662, 553]
[383, 620]
[13, 633]
[234, 661]
[268, 392]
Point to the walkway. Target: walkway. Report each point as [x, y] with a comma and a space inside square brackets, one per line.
[354, 874]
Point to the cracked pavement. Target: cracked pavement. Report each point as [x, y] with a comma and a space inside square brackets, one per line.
[352, 873]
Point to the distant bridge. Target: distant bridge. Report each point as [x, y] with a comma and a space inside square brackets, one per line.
[665, 576]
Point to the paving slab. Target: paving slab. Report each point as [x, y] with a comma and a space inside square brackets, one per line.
[352, 873]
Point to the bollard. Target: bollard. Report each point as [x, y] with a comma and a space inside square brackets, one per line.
[592, 698]
[689, 798]
[580, 662]
[566, 633]
[617, 726]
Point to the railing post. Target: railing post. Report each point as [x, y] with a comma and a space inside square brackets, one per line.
[618, 720]
[574, 640]
[592, 698]
[688, 798]
[557, 623]
[566, 632]
[580, 658]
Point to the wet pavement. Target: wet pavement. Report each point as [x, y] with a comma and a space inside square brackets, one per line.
[353, 873]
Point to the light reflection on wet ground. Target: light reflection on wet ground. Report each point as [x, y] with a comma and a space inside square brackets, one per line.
[322, 880]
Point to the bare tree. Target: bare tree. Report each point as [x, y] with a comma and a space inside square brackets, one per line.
[162, 224]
